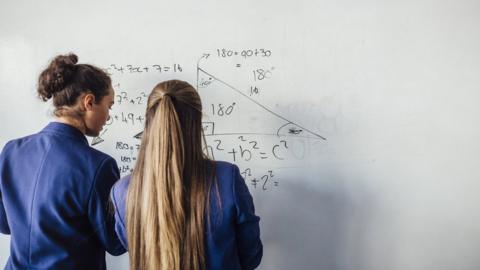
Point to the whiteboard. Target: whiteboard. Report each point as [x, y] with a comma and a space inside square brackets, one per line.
[354, 123]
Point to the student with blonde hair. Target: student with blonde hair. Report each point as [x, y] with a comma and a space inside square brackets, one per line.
[180, 210]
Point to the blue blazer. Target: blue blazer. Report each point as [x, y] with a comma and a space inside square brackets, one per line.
[54, 194]
[233, 241]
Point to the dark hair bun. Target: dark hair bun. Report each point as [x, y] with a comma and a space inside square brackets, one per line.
[57, 75]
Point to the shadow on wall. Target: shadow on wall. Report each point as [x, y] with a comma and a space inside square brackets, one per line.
[321, 226]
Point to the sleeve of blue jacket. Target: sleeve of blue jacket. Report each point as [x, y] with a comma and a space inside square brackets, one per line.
[119, 222]
[100, 210]
[249, 245]
[4, 228]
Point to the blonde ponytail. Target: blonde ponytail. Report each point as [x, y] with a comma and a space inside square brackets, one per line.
[169, 187]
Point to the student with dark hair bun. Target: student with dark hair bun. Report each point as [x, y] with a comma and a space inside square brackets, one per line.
[54, 187]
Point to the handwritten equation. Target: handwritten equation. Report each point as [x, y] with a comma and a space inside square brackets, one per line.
[244, 53]
[157, 68]
[249, 149]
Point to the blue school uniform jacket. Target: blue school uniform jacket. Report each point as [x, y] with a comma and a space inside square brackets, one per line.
[233, 241]
[54, 191]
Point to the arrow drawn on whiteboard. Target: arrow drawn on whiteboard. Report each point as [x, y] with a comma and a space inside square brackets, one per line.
[98, 139]
[204, 56]
[138, 135]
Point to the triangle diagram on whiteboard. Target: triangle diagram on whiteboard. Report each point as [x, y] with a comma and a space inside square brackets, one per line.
[230, 111]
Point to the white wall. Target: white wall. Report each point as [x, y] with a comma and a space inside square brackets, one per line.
[393, 86]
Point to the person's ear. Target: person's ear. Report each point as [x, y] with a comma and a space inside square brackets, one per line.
[88, 101]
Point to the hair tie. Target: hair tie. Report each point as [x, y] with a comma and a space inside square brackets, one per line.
[168, 95]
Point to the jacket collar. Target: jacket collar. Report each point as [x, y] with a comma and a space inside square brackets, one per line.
[65, 130]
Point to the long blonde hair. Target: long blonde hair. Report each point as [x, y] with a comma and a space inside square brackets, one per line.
[170, 185]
